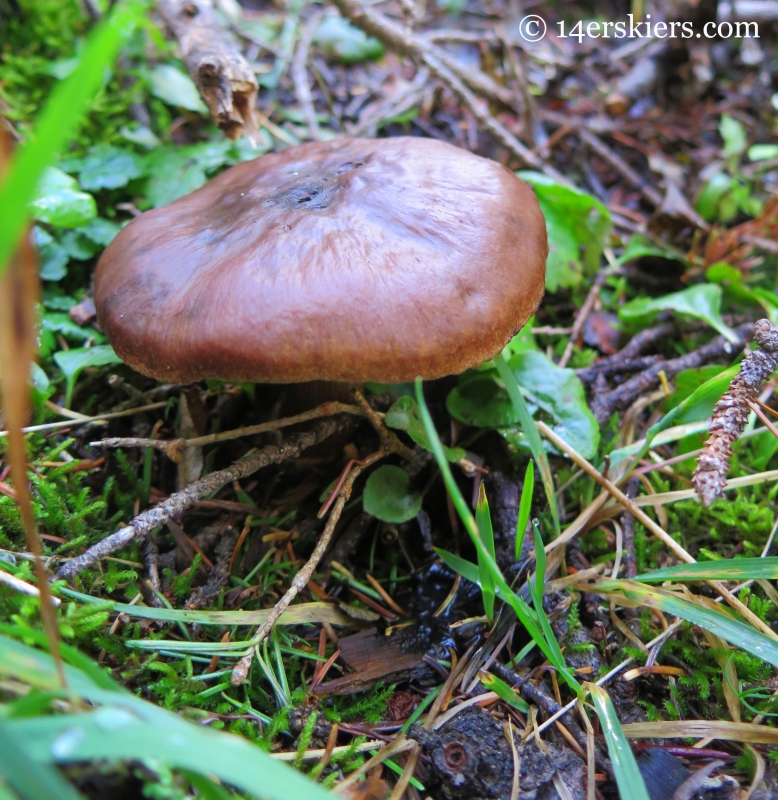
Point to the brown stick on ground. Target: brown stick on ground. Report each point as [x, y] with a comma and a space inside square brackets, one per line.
[156, 517]
[605, 404]
[730, 414]
[225, 80]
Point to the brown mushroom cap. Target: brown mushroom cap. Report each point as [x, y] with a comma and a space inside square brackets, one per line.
[348, 260]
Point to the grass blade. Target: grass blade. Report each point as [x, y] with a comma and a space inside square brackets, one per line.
[531, 432]
[698, 406]
[503, 691]
[625, 768]
[521, 609]
[732, 630]
[58, 121]
[525, 507]
[703, 729]
[536, 589]
[300, 614]
[127, 728]
[484, 522]
[31, 781]
[741, 569]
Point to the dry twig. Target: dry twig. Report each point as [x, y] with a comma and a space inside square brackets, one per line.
[605, 404]
[299, 75]
[647, 522]
[156, 517]
[222, 75]
[730, 414]
[241, 670]
[173, 448]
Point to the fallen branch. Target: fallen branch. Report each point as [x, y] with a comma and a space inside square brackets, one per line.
[730, 414]
[156, 517]
[299, 75]
[222, 75]
[605, 404]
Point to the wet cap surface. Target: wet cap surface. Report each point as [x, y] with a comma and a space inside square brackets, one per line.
[348, 260]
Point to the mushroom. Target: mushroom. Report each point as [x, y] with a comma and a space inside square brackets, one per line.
[349, 260]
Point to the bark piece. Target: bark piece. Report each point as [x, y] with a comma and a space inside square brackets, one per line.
[222, 75]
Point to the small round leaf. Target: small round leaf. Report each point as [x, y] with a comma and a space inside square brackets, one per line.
[387, 496]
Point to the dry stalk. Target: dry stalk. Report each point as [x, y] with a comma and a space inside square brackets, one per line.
[407, 774]
[18, 345]
[658, 531]
[70, 423]
[730, 414]
[241, 670]
[174, 448]
[299, 75]
[156, 517]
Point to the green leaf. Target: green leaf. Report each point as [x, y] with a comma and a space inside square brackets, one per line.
[140, 135]
[503, 691]
[105, 167]
[762, 152]
[525, 506]
[59, 120]
[732, 280]
[628, 778]
[464, 567]
[71, 362]
[702, 301]
[177, 171]
[53, 256]
[58, 201]
[578, 226]
[731, 569]
[341, 40]
[536, 590]
[58, 322]
[639, 247]
[480, 401]
[387, 496]
[732, 630]
[483, 520]
[404, 416]
[101, 231]
[712, 202]
[733, 132]
[176, 88]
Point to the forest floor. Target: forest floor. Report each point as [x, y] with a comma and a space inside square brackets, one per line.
[393, 672]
